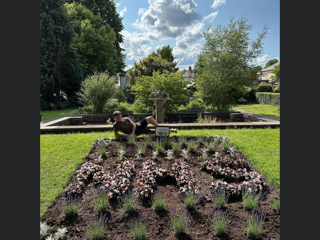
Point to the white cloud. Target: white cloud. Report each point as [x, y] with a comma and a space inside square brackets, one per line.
[264, 59]
[217, 3]
[186, 56]
[211, 16]
[141, 11]
[123, 11]
[118, 2]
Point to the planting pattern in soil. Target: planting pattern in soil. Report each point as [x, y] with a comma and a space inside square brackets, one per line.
[129, 173]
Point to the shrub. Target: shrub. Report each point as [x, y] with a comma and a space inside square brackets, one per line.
[96, 89]
[264, 87]
[179, 220]
[167, 144]
[69, 205]
[192, 146]
[128, 202]
[138, 228]
[268, 98]
[118, 94]
[276, 89]
[219, 221]
[96, 227]
[101, 202]
[250, 95]
[195, 104]
[191, 199]
[254, 224]
[220, 197]
[139, 107]
[158, 202]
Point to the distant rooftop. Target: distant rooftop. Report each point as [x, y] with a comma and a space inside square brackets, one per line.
[270, 68]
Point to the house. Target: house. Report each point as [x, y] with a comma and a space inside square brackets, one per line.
[265, 75]
[188, 75]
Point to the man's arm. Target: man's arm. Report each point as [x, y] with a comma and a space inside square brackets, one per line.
[120, 135]
[134, 128]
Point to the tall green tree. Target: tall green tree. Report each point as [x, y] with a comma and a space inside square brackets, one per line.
[94, 41]
[165, 52]
[107, 10]
[56, 34]
[227, 57]
[276, 72]
[147, 67]
[271, 62]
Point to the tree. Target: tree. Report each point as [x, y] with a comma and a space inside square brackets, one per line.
[227, 59]
[165, 52]
[96, 90]
[147, 67]
[107, 10]
[271, 62]
[169, 82]
[276, 72]
[94, 41]
[198, 66]
[56, 34]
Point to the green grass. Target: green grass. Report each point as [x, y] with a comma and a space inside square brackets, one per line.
[60, 155]
[49, 114]
[264, 109]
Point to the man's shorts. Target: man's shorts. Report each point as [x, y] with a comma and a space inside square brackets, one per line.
[142, 127]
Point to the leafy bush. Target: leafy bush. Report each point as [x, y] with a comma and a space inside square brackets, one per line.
[276, 89]
[96, 89]
[139, 107]
[268, 98]
[44, 105]
[195, 104]
[119, 95]
[250, 95]
[264, 87]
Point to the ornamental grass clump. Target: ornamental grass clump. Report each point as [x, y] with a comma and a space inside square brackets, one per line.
[159, 147]
[192, 146]
[158, 202]
[102, 151]
[101, 203]
[131, 140]
[191, 199]
[183, 140]
[147, 141]
[167, 144]
[219, 196]
[254, 224]
[138, 226]
[128, 203]
[200, 139]
[176, 148]
[250, 199]
[96, 227]
[70, 205]
[210, 146]
[219, 221]
[179, 220]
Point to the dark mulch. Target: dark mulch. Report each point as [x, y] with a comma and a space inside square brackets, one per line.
[159, 225]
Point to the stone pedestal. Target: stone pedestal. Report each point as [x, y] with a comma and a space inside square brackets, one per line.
[159, 108]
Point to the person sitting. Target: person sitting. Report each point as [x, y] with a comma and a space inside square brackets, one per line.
[129, 128]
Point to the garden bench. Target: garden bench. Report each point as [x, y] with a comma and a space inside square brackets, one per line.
[191, 115]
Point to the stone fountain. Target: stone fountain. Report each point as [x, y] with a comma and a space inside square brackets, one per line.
[159, 98]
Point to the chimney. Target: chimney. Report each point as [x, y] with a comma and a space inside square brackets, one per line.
[190, 68]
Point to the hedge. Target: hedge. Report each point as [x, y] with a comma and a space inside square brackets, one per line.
[268, 98]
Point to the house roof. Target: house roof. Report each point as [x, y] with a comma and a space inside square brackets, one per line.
[270, 68]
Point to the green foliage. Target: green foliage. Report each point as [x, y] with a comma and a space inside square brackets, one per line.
[250, 94]
[96, 227]
[44, 105]
[179, 221]
[210, 146]
[271, 62]
[275, 203]
[254, 225]
[167, 144]
[268, 98]
[195, 104]
[168, 82]
[176, 148]
[102, 151]
[159, 147]
[94, 40]
[101, 203]
[128, 203]
[276, 72]
[107, 10]
[118, 94]
[139, 230]
[96, 89]
[192, 147]
[263, 87]
[250, 200]
[158, 202]
[219, 222]
[131, 140]
[183, 140]
[147, 141]
[226, 58]
[139, 107]
[276, 89]
[165, 52]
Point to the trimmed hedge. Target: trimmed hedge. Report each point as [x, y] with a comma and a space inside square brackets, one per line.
[268, 98]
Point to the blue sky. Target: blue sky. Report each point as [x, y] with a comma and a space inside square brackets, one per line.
[149, 24]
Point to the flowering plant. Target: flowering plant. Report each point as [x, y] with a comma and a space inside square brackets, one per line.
[43, 228]
[185, 154]
[169, 154]
[154, 154]
[179, 220]
[138, 226]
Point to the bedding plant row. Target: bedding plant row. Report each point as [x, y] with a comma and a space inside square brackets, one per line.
[181, 187]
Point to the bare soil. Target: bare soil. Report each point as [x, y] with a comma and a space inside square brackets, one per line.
[159, 225]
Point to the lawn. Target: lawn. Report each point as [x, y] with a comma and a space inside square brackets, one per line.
[49, 114]
[60, 155]
[264, 109]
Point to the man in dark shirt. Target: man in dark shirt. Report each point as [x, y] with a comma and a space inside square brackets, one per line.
[129, 128]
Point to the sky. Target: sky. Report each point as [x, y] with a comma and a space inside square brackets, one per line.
[150, 24]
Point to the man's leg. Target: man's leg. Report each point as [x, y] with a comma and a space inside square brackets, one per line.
[155, 123]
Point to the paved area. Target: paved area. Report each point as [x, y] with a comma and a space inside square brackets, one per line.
[263, 122]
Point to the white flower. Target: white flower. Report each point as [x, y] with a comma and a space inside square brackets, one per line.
[50, 238]
[43, 228]
[61, 233]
